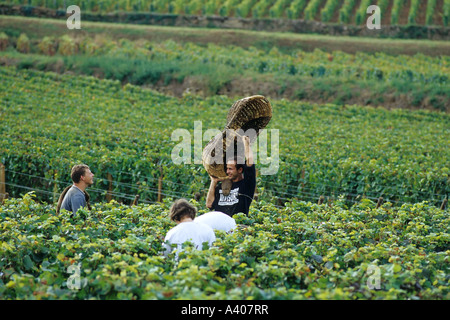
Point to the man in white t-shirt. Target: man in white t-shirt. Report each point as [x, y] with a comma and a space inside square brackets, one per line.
[217, 220]
[183, 213]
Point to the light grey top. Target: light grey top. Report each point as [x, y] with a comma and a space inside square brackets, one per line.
[73, 200]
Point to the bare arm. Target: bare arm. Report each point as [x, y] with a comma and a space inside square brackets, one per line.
[248, 151]
[211, 192]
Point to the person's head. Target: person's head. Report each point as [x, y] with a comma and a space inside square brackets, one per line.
[81, 174]
[182, 209]
[235, 168]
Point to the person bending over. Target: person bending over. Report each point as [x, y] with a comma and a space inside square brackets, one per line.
[183, 214]
[218, 221]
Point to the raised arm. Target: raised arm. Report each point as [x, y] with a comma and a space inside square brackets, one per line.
[248, 151]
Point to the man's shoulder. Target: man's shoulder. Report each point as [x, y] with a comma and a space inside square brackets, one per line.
[213, 216]
[75, 193]
[182, 227]
[200, 226]
[75, 190]
[189, 228]
[206, 230]
[174, 231]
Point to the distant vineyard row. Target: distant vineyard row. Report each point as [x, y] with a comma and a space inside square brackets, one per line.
[395, 12]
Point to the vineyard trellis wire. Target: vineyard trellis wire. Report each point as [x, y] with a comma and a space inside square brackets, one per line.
[278, 196]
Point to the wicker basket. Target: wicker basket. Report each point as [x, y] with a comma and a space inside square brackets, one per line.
[252, 112]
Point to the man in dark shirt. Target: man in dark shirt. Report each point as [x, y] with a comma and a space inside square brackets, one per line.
[243, 178]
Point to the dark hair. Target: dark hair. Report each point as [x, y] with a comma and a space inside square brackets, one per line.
[78, 171]
[239, 166]
[239, 161]
[181, 208]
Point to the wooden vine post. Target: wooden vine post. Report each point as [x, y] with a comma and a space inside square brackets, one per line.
[321, 200]
[109, 193]
[444, 204]
[135, 201]
[3, 194]
[55, 187]
[160, 184]
[303, 179]
[380, 202]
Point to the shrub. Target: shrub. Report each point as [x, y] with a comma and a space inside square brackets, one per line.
[67, 46]
[295, 9]
[431, 7]
[47, 46]
[88, 46]
[346, 9]
[328, 10]
[23, 44]
[361, 13]
[395, 11]
[446, 15]
[311, 9]
[4, 41]
[413, 9]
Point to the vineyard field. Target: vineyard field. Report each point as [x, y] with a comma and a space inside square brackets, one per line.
[328, 150]
[302, 251]
[352, 171]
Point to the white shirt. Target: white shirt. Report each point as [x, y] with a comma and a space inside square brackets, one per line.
[217, 220]
[195, 232]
